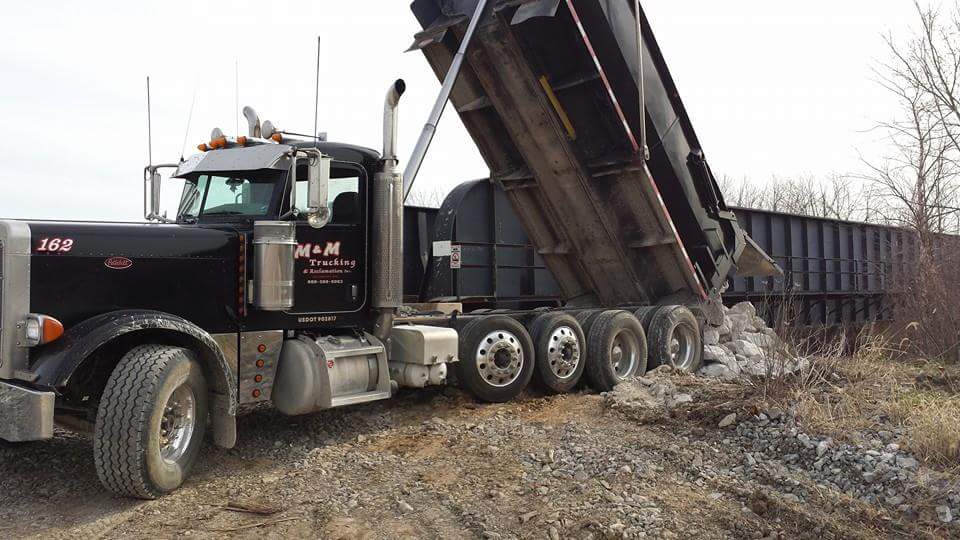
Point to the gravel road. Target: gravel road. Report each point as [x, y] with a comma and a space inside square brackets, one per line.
[434, 464]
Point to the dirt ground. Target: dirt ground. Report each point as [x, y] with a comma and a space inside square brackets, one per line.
[434, 464]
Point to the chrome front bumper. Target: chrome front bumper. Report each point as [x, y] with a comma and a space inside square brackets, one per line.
[25, 414]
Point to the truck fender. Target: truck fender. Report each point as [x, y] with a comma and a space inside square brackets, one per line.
[55, 364]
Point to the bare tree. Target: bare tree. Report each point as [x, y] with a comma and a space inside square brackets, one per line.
[427, 198]
[836, 197]
[742, 193]
[918, 182]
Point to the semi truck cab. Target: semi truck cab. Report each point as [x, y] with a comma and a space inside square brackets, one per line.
[278, 280]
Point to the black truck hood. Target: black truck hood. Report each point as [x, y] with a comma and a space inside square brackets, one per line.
[91, 239]
[82, 269]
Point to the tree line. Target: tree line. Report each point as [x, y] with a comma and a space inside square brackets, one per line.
[915, 182]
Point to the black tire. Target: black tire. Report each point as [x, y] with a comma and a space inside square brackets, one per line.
[586, 318]
[645, 315]
[612, 335]
[495, 375]
[675, 339]
[560, 351]
[136, 407]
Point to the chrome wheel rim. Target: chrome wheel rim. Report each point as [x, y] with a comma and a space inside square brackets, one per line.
[563, 352]
[499, 358]
[682, 350]
[624, 354]
[177, 423]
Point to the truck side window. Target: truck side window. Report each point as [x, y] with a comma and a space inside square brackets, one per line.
[344, 197]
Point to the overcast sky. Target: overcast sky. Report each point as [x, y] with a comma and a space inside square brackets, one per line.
[773, 88]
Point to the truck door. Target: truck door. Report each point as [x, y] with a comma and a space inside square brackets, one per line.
[330, 266]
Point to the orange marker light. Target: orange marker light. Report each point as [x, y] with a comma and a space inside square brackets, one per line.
[276, 137]
[241, 140]
[217, 144]
[40, 330]
[262, 348]
[52, 329]
[203, 147]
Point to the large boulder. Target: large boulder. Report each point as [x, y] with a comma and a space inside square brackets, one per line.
[739, 324]
[717, 354]
[718, 371]
[726, 328]
[763, 341]
[744, 308]
[711, 336]
[747, 349]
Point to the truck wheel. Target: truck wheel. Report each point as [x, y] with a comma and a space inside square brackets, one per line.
[616, 350]
[645, 315]
[675, 339]
[560, 351]
[496, 358]
[150, 422]
[585, 319]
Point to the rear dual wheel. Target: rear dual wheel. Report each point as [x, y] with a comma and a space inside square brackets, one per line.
[496, 358]
[499, 357]
[560, 351]
[616, 348]
[675, 338]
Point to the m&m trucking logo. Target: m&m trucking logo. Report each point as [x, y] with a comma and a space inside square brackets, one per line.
[324, 263]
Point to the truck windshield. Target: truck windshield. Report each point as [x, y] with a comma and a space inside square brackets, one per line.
[228, 194]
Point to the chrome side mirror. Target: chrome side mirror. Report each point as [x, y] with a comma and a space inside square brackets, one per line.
[318, 186]
[151, 193]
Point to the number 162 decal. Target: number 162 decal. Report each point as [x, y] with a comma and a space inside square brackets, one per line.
[59, 245]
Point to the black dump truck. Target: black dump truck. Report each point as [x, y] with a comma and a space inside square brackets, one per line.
[280, 279]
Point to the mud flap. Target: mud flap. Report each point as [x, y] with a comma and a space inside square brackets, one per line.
[223, 422]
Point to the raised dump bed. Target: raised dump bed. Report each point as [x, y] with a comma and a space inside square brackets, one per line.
[549, 94]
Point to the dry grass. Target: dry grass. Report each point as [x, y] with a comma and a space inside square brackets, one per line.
[933, 428]
[877, 388]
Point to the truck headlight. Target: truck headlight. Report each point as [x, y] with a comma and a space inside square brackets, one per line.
[40, 329]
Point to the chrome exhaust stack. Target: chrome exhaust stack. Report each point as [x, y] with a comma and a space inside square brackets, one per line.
[388, 221]
[253, 121]
[391, 111]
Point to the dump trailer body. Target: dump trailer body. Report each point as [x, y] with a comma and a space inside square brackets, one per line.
[835, 272]
[549, 94]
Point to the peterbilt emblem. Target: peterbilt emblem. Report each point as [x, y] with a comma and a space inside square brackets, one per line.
[118, 263]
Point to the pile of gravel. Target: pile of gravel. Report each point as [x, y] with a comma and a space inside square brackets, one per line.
[878, 472]
[771, 448]
[656, 390]
[745, 346]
